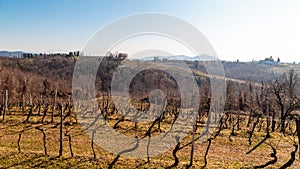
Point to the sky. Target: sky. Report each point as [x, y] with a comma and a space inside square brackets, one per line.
[237, 29]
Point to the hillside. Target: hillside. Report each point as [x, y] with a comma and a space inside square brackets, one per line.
[33, 134]
[44, 74]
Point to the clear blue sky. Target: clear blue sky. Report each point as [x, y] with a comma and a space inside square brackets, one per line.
[244, 29]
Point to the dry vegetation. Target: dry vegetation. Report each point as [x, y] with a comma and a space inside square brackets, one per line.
[39, 127]
[225, 151]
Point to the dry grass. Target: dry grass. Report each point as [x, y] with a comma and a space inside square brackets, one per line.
[223, 153]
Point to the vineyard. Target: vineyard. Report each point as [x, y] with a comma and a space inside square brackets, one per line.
[260, 126]
[30, 138]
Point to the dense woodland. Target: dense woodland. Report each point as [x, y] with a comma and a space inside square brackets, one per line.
[258, 100]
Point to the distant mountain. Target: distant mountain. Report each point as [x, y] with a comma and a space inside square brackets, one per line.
[11, 54]
[202, 57]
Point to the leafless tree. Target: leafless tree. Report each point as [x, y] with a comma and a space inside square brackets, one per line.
[286, 96]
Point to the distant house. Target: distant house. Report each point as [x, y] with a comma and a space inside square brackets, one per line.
[269, 61]
[156, 59]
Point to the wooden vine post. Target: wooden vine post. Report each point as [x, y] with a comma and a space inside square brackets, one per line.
[23, 103]
[5, 105]
[54, 105]
[61, 131]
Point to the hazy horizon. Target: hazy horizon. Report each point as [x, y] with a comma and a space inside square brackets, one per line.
[243, 30]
